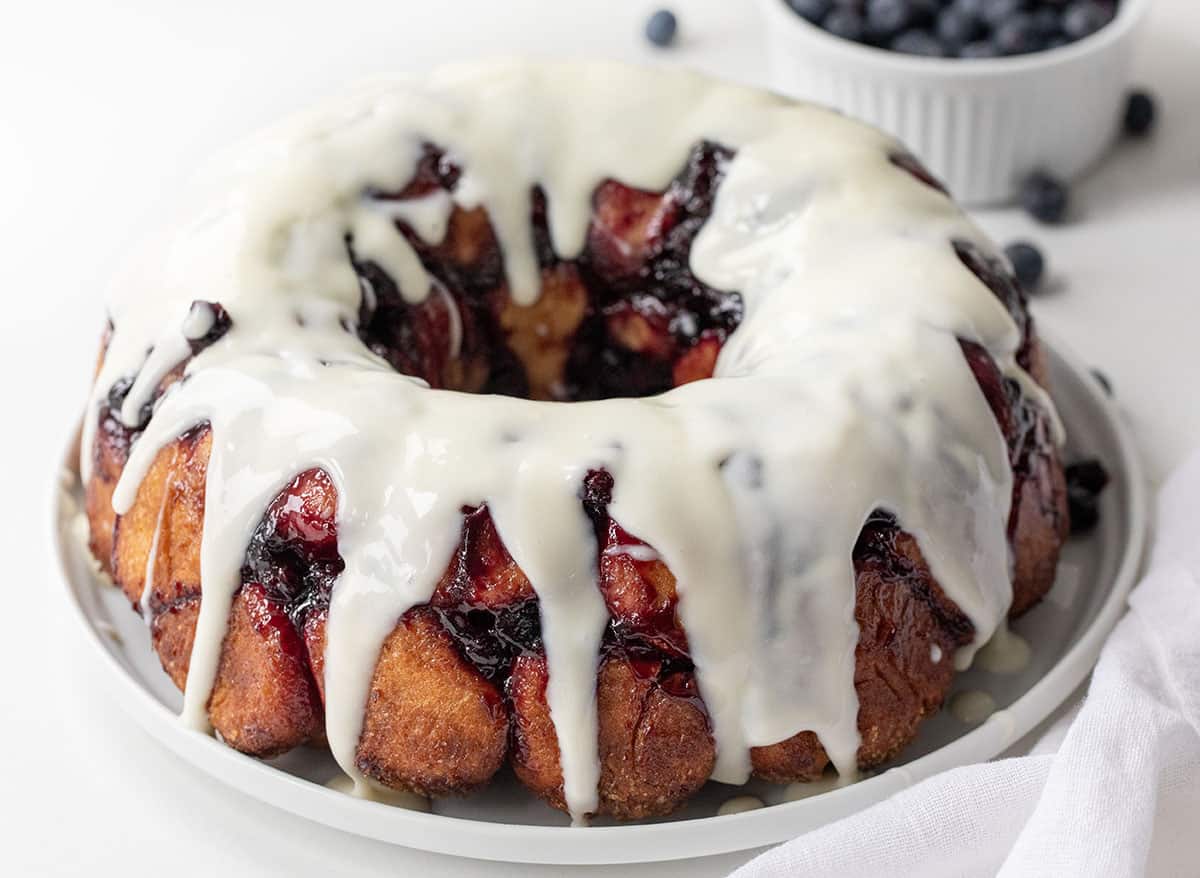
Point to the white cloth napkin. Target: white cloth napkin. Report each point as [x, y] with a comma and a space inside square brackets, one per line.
[1112, 790]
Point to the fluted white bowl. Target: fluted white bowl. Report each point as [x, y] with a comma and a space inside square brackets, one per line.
[981, 126]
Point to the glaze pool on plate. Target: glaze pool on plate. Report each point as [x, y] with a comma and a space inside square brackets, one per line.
[505, 823]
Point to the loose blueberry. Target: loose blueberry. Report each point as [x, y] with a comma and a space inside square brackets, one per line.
[1017, 35]
[1028, 263]
[1087, 475]
[1084, 510]
[812, 10]
[846, 23]
[956, 28]
[886, 18]
[1103, 381]
[979, 49]
[661, 27]
[1084, 17]
[1085, 481]
[1045, 198]
[1139, 114]
[919, 42]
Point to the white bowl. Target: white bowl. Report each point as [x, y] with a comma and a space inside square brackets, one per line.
[981, 126]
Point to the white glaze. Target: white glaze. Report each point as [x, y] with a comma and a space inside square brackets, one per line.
[935, 653]
[636, 552]
[199, 322]
[152, 561]
[396, 798]
[844, 389]
[793, 792]
[1006, 653]
[972, 706]
[739, 805]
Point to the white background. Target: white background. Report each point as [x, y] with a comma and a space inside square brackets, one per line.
[105, 105]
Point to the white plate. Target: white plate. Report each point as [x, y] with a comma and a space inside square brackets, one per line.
[505, 822]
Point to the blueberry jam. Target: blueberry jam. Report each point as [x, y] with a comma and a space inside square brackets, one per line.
[643, 310]
[877, 548]
[997, 277]
[116, 399]
[215, 322]
[913, 165]
[1025, 430]
[645, 320]
[293, 553]
[640, 593]
[485, 602]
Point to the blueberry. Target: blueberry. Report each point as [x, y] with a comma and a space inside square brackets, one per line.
[1045, 198]
[1055, 42]
[1088, 476]
[1017, 35]
[924, 11]
[1085, 481]
[1028, 263]
[996, 12]
[1084, 512]
[1139, 114]
[979, 49]
[1047, 21]
[886, 18]
[919, 42]
[1084, 17]
[845, 23]
[1103, 381]
[956, 28]
[973, 8]
[813, 10]
[661, 27]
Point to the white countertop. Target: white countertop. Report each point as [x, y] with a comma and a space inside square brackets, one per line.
[104, 107]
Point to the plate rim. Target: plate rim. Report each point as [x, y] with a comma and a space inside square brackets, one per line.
[623, 844]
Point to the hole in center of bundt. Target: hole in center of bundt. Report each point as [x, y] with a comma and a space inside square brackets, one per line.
[627, 317]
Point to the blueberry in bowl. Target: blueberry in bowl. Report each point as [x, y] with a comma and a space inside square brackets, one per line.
[959, 28]
[985, 92]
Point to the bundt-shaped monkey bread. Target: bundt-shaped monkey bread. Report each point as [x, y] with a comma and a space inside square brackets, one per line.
[624, 426]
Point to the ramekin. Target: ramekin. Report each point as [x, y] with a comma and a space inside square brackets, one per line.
[981, 126]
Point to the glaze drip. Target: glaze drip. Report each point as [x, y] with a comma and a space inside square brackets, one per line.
[842, 390]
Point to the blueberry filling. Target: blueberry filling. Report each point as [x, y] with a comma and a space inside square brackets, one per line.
[293, 552]
[638, 320]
